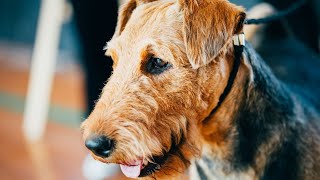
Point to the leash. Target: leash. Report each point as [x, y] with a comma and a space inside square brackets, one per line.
[277, 16]
[239, 44]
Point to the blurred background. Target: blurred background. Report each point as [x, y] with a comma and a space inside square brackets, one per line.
[79, 73]
[61, 152]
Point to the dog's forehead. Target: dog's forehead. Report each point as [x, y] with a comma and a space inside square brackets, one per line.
[157, 25]
[151, 21]
[154, 11]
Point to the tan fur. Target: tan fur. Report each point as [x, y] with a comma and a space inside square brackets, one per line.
[141, 111]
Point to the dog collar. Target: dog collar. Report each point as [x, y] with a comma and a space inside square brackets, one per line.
[238, 45]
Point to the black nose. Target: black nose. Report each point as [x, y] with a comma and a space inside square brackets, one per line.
[100, 145]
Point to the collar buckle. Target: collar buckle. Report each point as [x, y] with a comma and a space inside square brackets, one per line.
[239, 40]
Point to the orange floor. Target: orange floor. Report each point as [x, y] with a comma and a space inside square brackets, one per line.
[63, 145]
[60, 155]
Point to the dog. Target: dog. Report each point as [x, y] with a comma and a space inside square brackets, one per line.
[161, 114]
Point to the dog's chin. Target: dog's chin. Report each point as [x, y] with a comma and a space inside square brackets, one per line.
[155, 166]
[170, 164]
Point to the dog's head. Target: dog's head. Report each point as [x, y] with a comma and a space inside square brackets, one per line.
[168, 75]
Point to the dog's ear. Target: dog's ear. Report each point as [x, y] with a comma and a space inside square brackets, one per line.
[124, 15]
[125, 12]
[207, 26]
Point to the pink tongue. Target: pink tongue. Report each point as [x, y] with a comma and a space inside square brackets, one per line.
[132, 171]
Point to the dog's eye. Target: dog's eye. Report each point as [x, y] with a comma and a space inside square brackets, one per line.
[157, 65]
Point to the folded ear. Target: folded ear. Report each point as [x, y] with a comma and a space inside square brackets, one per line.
[125, 12]
[208, 25]
[124, 15]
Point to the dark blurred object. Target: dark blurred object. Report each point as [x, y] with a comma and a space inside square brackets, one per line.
[293, 63]
[304, 23]
[96, 21]
[290, 48]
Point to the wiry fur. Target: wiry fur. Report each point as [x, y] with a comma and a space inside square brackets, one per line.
[149, 115]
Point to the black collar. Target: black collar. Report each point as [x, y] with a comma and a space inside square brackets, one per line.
[238, 45]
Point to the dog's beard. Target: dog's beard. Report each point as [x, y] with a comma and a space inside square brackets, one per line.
[162, 150]
[174, 159]
[155, 164]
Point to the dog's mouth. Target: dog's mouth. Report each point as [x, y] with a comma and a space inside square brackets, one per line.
[142, 168]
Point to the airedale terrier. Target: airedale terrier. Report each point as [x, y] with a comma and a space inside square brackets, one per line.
[162, 114]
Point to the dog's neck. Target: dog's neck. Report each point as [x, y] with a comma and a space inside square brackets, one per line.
[234, 134]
